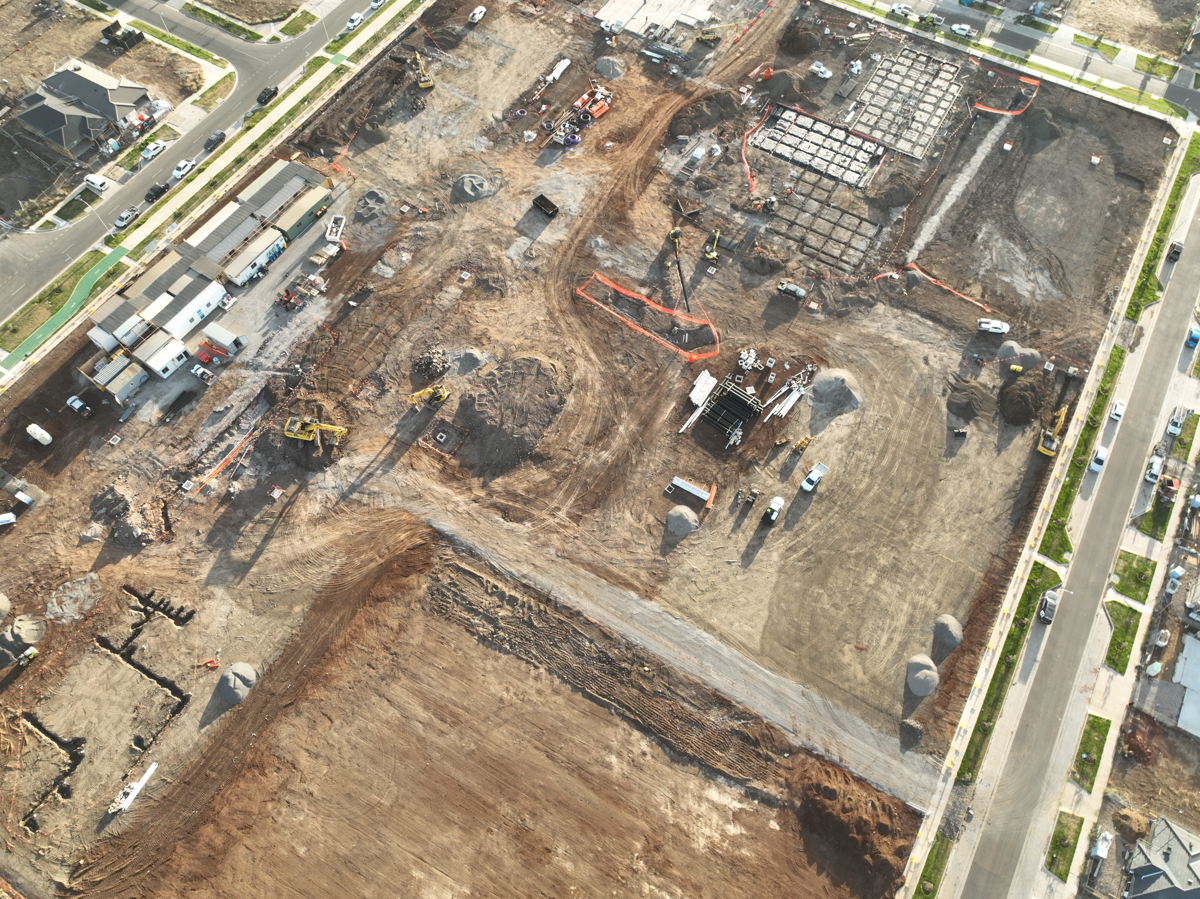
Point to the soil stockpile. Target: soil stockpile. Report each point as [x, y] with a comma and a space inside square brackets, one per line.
[798, 41]
[681, 521]
[969, 399]
[610, 68]
[235, 684]
[472, 187]
[835, 392]
[898, 190]
[762, 261]
[792, 86]
[947, 631]
[1131, 825]
[1021, 400]
[922, 675]
[705, 114]
[706, 182]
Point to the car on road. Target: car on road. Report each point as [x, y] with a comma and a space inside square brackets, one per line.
[1174, 252]
[355, 21]
[964, 30]
[1118, 410]
[95, 182]
[375, 4]
[154, 149]
[126, 217]
[1154, 469]
[79, 406]
[792, 289]
[1193, 337]
[932, 19]
[185, 166]
[992, 326]
[156, 191]
[903, 9]
[1047, 607]
[1175, 422]
[266, 95]
[1099, 457]
[215, 140]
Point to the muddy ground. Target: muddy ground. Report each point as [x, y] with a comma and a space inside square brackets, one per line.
[407, 547]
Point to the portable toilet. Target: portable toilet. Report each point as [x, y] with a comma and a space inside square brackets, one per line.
[7, 518]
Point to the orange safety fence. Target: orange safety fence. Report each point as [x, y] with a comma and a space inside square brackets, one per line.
[914, 267]
[689, 354]
[1031, 81]
[749, 176]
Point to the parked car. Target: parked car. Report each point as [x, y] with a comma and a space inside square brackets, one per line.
[154, 149]
[1099, 457]
[1193, 337]
[185, 166]
[772, 514]
[215, 140]
[1175, 422]
[932, 19]
[477, 15]
[267, 94]
[1154, 469]
[128, 216]
[375, 4]
[79, 406]
[814, 478]
[963, 30]
[156, 191]
[903, 9]
[1047, 607]
[1174, 252]
[1118, 410]
[792, 289]
[992, 326]
[355, 21]
[96, 183]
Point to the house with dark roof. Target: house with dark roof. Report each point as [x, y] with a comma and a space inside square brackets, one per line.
[1165, 864]
[79, 106]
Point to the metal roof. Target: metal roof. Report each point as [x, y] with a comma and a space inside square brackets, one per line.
[164, 315]
[114, 313]
[232, 233]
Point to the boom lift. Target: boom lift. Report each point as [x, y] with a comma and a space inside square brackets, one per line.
[434, 394]
[310, 429]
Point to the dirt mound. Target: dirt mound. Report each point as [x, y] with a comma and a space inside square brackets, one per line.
[472, 187]
[1131, 825]
[681, 521]
[235, 684]
[610, 68]
[947, 631]
[705, 114]
[792, 86]
[1041, 125]
[969, 398]
[706, 182]
[922, 675]
[510, 411]
[431, 364]
[898, 190]
[798, 41]
[1021, 400]
[761, 261]
[835, 392]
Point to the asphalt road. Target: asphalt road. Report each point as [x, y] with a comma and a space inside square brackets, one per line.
[35, 259]
[1027, 780]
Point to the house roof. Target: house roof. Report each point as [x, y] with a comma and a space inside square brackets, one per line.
[1166, 864]
[78, 103]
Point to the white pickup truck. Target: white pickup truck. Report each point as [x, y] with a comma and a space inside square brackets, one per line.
[814, 477]
[992, 326]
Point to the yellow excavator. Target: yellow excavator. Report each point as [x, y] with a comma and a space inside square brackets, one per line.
[710, 247]
[434, 394]
[424, 81]
[311, 429]
[712, 33]
[1049, 442]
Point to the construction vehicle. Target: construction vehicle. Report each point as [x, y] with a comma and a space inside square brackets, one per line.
[424, 81]
[434, 394]
[712, 33]
[710, 246]
[755, 493]
[772, 514]
[1049, 442]
[311, 429]
[802, 444]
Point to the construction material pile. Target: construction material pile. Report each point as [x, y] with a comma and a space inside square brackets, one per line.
[610, 68]
[969, 399]
[1022, 399]
[947, 631]
[431, 364]
[681, 521]
[721, 106]
[922, 677]
[472, 187]
[235, 684]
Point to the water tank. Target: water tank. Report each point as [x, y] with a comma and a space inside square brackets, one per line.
[39, 435]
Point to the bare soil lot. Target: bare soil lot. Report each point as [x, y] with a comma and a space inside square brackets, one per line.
[1158, 27]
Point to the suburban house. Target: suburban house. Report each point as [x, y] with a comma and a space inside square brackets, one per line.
[79, 106]
[1165, 864]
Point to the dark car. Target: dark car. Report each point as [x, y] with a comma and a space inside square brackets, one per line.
[79, 406]
[1175, 250]
[266, 95]
[218, 138]
[156, 191]
[1047, 607]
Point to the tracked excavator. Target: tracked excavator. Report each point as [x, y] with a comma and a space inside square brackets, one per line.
[712, 33]
[1049, 442]
[434, 394]
[311, 429]
[424, 80]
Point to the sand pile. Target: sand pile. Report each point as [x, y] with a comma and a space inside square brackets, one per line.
[835, 391]
[1012, 353]
[513, 407]
[73, 599]
[798, 41]
[969, 399]
[898, 190]
[762, 261]
[610, 68]
[947, 631]
[472, 187]
[681, 521]
[1022, 399]
[1131, 825]
[922, 676]
[25, 631]
[235, 684]
[1041, 124]
[706, 114]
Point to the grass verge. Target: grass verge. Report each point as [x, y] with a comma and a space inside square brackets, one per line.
[1196, 82]
[1091, 747]
[98, 6]
[76, 207]
[1110, 51]
[216, 93]
[30, 316]
[191, 49]
[1154, 65]
[1183, 443]
[1134, 574]
[1055, 543]
[221, 22]
[1063, 844]
[298, 24]
[1120, 644]
[935, 865]
[374, 40]
[1145, 291]
[1041, 578]
[989, 8]
[1154, 523]
[130, 160]
[1036, 23]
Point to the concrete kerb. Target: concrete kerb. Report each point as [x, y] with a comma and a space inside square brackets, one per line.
[1029, 554]
[8, 377]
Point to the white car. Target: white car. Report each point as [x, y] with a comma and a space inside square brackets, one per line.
[964, 30]
[1099, 457]
[1118, 410]
[814, 477]
[95, 182]
[477, 15]
[355, 21]
[185, 166]
[820, 71]
[154, 149]
[992, 326]
[1155, 469]
[375, 4]
[903, 9]
[792, 289]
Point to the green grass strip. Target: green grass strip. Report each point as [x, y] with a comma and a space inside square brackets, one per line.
[131, 159]
[1154, 65]
[1120, 644]
[1041, 579]
[1036, 23]
[374, 40]
[1183, 443]
[298, 24]
[1110, 51]
[1091, 748]
[221, 22]
[77, 206]
[1061, 852]
[1155, 521]
[216, 93]
[1145, 291]
[935, 866]
[1055, 543]
[183, 45]
[1134, 574]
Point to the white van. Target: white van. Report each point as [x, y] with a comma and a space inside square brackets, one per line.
[96, 183]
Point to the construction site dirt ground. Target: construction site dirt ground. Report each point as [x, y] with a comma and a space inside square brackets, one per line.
[1161, 27]
[404, 605]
